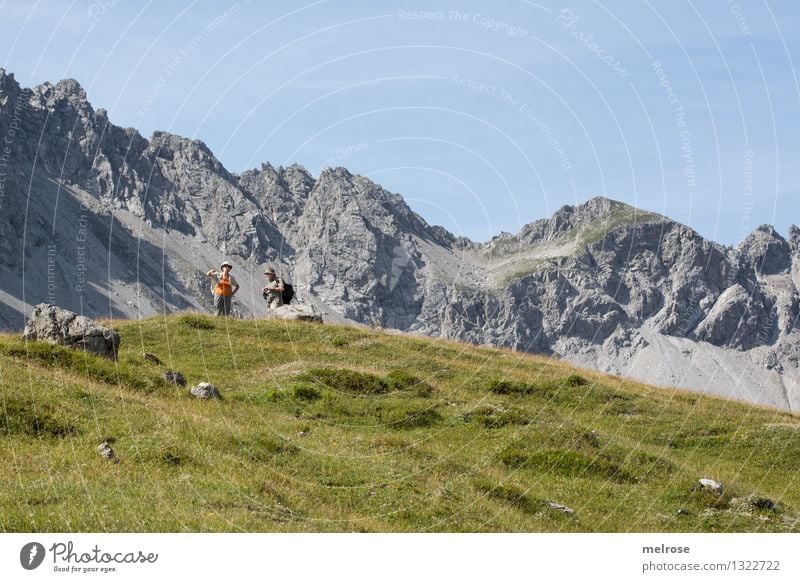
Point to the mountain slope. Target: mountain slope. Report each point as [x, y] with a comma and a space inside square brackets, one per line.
[329, 428]
[100, 220]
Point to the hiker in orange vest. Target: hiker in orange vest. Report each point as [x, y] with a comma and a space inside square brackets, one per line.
[225, 288]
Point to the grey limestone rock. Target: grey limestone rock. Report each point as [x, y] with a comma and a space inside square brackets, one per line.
[761, 503]
[174, 377]
[104, 450]
[55, 325]
[711, 485]
[561, 507]
[205, 390]
[735, 313]
[794, 239]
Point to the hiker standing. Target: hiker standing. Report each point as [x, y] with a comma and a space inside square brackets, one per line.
[225, 288]
[273, 290]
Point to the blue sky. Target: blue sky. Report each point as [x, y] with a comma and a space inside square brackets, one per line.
[483, 115]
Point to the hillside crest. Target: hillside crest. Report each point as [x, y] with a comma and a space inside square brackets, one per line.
[102, 221]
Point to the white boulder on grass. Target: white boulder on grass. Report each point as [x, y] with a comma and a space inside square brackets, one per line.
[205, 390]
[711, 485]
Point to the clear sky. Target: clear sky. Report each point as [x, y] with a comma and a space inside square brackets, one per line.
[483, 115]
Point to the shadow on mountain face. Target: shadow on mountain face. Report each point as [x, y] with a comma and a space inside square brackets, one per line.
[89, 263]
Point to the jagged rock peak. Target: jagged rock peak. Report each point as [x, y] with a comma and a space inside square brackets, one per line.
[176, 142]
[296, 169]
[7, 77]
[766, 229]
[70, 88]
[794, 238]
[66, 89]
[337, 173]
[765, 234]
[49, 96]
[168, 145]
[346, 188]
[601, 205]
[345, 184]
[269, 172]
[594, 213]
[765, 251]
[8, 84]
[266, 168]
[292, 170]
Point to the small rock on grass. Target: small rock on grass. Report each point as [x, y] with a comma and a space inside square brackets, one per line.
[205, 390]
[560, 507]
[711, 485]
[104, 450]
[755, 502]
[758, 502]
[174, 377]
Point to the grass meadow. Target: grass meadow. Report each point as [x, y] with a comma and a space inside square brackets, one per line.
[325, 428]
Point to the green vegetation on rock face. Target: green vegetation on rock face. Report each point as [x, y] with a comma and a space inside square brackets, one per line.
[325, 428]
[519, 265]
[621, 214]
[525, 267]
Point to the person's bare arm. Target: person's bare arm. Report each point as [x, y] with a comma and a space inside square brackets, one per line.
[235, 289]
[212, 273]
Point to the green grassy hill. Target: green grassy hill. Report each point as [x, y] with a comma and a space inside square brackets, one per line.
[325, 428]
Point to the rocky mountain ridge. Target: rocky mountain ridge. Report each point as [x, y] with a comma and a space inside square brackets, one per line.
[104, 222]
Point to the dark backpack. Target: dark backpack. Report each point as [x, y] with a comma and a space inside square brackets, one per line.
[288, 293]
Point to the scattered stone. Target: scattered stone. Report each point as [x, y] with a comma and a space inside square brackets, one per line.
[758, 502]
[711, 485]
[174, 377]
[772, 362]
[105, 451]
[55, 325]
[152, 358]
[593, 437]
[560, 507]
[205, 390]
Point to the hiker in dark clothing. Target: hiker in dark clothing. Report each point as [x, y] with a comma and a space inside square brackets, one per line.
[273, 291]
